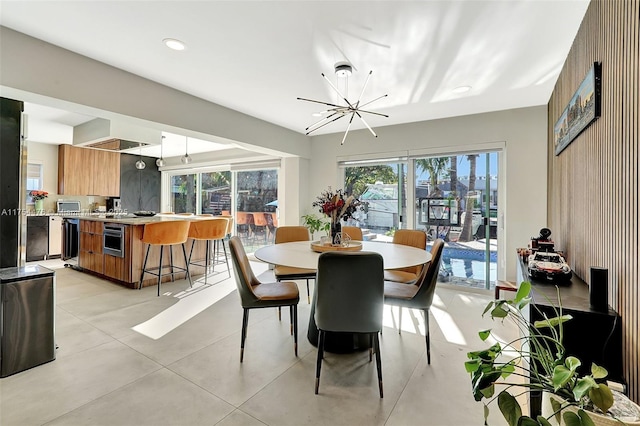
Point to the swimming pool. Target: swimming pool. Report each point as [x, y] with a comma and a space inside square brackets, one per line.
[466, 266]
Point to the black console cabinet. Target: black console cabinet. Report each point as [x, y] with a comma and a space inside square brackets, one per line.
[591, 336]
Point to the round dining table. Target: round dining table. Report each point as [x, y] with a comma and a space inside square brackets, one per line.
[300, 255]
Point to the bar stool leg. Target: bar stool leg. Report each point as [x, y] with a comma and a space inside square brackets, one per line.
[160, 269]
[171, 263]
[144, 266]
[206, 262]
[184, 252]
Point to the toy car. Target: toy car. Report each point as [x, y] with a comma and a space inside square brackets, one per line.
[549, 266]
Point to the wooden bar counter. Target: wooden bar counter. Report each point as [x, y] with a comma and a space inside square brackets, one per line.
[126, 269]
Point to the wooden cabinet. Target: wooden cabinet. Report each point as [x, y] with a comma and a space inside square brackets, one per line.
[90, 256]
[85, 171]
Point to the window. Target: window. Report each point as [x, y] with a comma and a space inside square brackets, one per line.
[183, 193]
[34, 179]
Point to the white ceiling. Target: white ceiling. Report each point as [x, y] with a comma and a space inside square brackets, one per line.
[257, 57]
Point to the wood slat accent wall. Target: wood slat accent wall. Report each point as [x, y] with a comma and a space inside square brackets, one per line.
[594, 191]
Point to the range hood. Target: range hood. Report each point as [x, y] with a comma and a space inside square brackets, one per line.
[106, 134]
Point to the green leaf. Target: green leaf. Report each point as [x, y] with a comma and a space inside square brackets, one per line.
[585, 420]
[561, 376]
[571, 419]
[487, 308]
[524, 302]
[523, 291]
[556, 406]
[527, 421]
[598, 372]
[583, 385]
[542, 421]
[602, 397]
[580, 419]
[510, 408]
[572, 363]
[484, 334]
[507, 370]
[486, 413]
[488, 391]
[472, 365]
[499, 312]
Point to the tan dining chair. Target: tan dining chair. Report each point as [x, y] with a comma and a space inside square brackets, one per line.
[418, 295]
[349, 298]
[260, 225]
[413, 238]
[353, 232]
[289, 234]
[255, 294]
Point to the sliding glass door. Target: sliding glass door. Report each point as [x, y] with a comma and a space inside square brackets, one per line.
[183, 193]
[457, 200]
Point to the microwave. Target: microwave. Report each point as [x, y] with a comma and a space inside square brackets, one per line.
[68, 206]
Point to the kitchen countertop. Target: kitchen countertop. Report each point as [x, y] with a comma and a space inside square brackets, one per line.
[131, 219]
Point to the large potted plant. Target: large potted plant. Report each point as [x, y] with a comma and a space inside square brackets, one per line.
[537, 361]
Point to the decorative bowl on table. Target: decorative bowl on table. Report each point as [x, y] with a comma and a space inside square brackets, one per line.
[144, 213]
[319, 247]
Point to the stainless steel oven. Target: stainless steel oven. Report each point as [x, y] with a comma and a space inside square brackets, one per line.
[113, 238]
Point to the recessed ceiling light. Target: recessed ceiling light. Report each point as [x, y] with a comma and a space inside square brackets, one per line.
[461, 89]
[174, 44]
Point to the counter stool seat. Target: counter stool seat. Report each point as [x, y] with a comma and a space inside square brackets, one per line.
[214, 230]
[165, 234]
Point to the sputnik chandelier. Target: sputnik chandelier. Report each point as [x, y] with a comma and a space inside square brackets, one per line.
[336, 112]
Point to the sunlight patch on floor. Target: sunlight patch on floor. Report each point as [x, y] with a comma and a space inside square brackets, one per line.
[191, 302]
[448, 326]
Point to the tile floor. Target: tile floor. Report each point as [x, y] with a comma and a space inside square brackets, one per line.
[128, 357]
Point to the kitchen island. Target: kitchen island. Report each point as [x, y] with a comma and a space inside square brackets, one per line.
[111, 247]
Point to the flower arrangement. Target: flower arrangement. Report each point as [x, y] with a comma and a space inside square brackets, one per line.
[337, 205]
[37, 195]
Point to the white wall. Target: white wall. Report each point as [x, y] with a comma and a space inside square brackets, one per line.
[522, 132]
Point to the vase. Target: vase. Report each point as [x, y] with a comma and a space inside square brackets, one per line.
[39, 205]
[624, 407]
[336, 229]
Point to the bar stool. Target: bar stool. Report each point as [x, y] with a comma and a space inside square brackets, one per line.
[165, 234]
[213, 229]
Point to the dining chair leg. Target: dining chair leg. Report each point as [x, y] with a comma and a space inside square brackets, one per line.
[370, 346]
[144, 266]
[160, 270]
[226, 259]
[243, 333]
[426, 335]
[378, 363]
[295, 330]
[308, 297]
[279, 313]
[291, 320]
[319, 360]
[184, 253]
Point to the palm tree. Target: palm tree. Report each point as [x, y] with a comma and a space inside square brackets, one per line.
[467, 227]
[435, 167]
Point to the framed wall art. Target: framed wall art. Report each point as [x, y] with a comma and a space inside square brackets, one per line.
[582, 110]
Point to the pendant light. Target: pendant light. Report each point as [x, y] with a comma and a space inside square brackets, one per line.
[186, 159]
[160, 161]
[140, 165]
